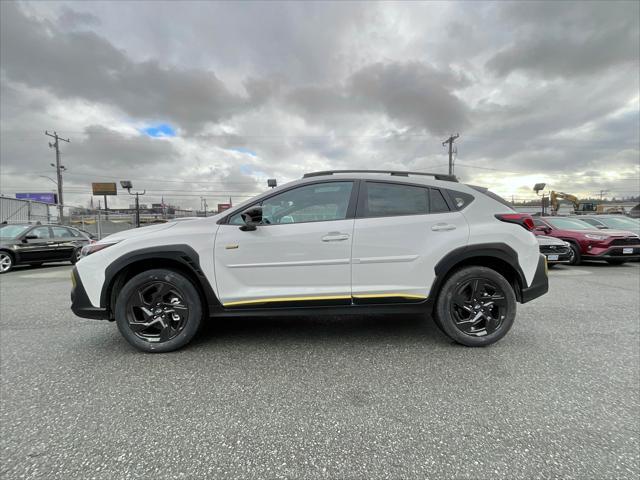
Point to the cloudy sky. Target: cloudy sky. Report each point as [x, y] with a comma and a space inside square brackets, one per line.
[211, 99]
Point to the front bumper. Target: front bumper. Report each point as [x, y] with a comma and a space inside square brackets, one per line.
[540, 284]
[615, 252]
[80, 304]
[561, 255]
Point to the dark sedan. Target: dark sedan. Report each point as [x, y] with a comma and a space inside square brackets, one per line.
[36, 244]
[556, 250]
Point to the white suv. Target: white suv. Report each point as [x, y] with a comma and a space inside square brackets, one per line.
[332, 242]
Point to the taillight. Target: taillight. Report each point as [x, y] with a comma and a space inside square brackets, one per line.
[522, 219]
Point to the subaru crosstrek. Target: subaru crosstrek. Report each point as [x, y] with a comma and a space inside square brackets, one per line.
[332, 242]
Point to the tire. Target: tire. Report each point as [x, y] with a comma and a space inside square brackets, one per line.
[6, 261]
[165, 299]
[576, 258]
[456, 307]
[616, 262]
[75, 256]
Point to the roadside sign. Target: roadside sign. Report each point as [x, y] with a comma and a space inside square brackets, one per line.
[104, 188]
[223, 206]
[51, 198]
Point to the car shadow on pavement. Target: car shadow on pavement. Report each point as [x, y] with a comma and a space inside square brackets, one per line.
[26, 267]
[404, 328]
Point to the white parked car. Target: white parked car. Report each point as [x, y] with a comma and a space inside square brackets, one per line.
[332, 242]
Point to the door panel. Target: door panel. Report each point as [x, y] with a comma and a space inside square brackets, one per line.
[397, 242]
[65, 242]
[37, 250]
[284, 263]
[299, 254]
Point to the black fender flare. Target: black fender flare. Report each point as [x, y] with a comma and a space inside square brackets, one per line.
[183, 254]
[500, 251]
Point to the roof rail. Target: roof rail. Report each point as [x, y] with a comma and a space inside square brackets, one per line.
[398, 173]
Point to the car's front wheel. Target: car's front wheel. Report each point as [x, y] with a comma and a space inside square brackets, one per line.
[6, 262]
[476, 306]
[158, 310]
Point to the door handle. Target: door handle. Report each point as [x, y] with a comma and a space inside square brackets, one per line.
[335, 237]
[443, 227]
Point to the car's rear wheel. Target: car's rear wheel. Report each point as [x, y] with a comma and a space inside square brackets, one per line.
[614, 261]
[158, 311]
[6, 262]
[476, 306]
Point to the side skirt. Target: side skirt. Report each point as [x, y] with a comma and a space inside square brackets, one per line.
[381, 309]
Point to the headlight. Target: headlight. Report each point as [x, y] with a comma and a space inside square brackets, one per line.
[94, 247]
[566, 244]
[596, 237]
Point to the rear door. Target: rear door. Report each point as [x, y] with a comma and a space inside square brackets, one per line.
[65, 242]
[401, 232]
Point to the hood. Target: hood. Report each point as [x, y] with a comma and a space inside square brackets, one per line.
[543, 240]
[136, 232]
[611, 233]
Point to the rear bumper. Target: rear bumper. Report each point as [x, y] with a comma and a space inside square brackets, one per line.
[80, 304]
[540, 284]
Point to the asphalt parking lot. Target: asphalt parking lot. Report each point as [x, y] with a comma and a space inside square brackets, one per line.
[336, 397]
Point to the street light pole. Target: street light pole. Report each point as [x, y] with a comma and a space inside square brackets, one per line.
[128, 185]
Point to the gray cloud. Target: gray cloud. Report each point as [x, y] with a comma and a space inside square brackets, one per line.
[309, 86]
[84, 65]
[569, 38]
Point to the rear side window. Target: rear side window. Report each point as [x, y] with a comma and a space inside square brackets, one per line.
[388, 200]
[460, 199]
[61, 232]
[437, 202]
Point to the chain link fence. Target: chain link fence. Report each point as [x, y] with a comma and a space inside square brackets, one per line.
[99, 223]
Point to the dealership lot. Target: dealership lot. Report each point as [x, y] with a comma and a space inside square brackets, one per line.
[347, 397]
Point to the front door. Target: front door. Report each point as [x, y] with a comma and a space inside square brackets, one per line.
[38, 249]
[298, 256]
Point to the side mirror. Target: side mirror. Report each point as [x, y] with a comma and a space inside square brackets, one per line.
[543, 229]
[30, 237]
[252, 217]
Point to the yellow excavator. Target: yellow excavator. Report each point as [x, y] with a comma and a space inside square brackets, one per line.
[578, 206]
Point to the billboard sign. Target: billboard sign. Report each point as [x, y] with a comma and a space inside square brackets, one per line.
[49, 197]
[223, 206]
[104, 188]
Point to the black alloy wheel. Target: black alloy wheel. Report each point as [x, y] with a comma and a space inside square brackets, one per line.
[158, 310]
[476, 306]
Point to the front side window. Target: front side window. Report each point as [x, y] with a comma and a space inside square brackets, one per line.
[40, 232]
[317, 202]
[389, 199]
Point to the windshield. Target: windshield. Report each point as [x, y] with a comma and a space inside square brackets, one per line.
[570, 224]
[12, 231]
[620, 222]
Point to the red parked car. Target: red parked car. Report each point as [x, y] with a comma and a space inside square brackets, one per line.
[588, 243]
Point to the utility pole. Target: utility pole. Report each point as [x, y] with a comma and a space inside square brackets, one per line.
[59, 169]
[450, 141]
[602, 192]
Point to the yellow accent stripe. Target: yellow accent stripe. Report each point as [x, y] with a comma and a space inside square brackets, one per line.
[391, 295]
[288, 299]
[326, 297]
